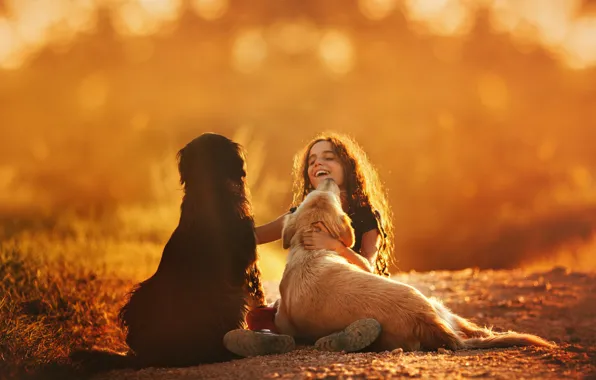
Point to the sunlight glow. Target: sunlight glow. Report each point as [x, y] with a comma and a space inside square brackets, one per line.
[545, 21]
[210, 9]
[554, 25]
[442, 17]
[580, 44]
[29, 25]
[293, 37]
[35, 24]
[336, 51]
[8, 41]
[32, 25]
[249, 51]
[376, 9]
[144, 17]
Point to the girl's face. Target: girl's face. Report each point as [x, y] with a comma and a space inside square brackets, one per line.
[323, 163]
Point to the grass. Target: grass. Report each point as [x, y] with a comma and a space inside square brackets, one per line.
[64, 278]
[61, 292]
[49, 308]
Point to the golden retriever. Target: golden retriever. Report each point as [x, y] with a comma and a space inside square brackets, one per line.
[322, 293]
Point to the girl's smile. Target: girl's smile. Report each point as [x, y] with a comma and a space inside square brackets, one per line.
[323, 163]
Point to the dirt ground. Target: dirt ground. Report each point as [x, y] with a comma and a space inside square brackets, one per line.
[558, 305]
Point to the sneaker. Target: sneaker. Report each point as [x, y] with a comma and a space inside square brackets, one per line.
[256, 343]
[355, 337]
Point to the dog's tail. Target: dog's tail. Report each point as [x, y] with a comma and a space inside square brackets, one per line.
[92, 361]
[474, 336]
[459, 324]
[507, 339]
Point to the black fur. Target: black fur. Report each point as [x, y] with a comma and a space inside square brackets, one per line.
[208, 272]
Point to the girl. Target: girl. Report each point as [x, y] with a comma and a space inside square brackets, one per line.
[363, 199]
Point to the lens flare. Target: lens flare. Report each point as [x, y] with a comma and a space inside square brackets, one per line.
[210, 9]
[377, 9]
[336, 52]
[249, 51]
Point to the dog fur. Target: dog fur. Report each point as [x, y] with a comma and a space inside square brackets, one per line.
[321, 293]
[208, 274]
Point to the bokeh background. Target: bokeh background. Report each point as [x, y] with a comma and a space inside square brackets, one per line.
[480, 116]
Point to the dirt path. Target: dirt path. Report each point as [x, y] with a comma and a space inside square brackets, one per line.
[556, 305]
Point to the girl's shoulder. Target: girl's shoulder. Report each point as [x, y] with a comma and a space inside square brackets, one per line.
[365, 218]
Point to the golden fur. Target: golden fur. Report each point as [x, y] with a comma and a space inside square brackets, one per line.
[322, 293]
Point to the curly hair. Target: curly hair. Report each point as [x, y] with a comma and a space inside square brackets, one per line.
[362, 184]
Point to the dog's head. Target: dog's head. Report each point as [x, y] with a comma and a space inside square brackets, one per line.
[211, 158]
[320, 205]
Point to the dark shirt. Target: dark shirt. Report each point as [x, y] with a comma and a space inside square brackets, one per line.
[363, 220]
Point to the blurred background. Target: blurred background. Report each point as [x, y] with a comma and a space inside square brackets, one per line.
[480, 116]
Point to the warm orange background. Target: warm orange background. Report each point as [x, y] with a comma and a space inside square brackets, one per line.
[480, 116]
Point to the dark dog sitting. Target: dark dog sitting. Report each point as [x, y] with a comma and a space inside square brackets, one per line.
[208, 274]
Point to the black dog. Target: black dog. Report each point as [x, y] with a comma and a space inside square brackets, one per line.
[208, 274]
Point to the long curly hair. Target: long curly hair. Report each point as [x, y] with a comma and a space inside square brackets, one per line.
[363, 187]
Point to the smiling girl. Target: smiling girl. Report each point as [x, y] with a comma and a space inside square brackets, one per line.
[363, 199]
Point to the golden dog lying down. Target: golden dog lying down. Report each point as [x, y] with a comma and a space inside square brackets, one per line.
[321, 293]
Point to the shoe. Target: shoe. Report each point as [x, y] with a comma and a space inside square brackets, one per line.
[256, 343]
[355, 337]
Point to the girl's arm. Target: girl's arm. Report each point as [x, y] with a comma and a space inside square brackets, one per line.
[271, 231]
[353, 257]
[369, 248]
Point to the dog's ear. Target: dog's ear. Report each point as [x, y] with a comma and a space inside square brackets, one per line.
[288, 231]
[346, 234]
[338, 225]
[182, 166]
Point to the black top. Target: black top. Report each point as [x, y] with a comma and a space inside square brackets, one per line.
[363, 220]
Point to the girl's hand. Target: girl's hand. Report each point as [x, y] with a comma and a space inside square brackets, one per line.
[319, 238]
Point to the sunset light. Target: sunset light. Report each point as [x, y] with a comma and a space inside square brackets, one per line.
[159, 167]
[27, 26]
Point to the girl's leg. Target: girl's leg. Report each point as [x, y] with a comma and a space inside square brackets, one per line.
[262, 336]
[256, 343]
[263, 339]
[357, 336]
